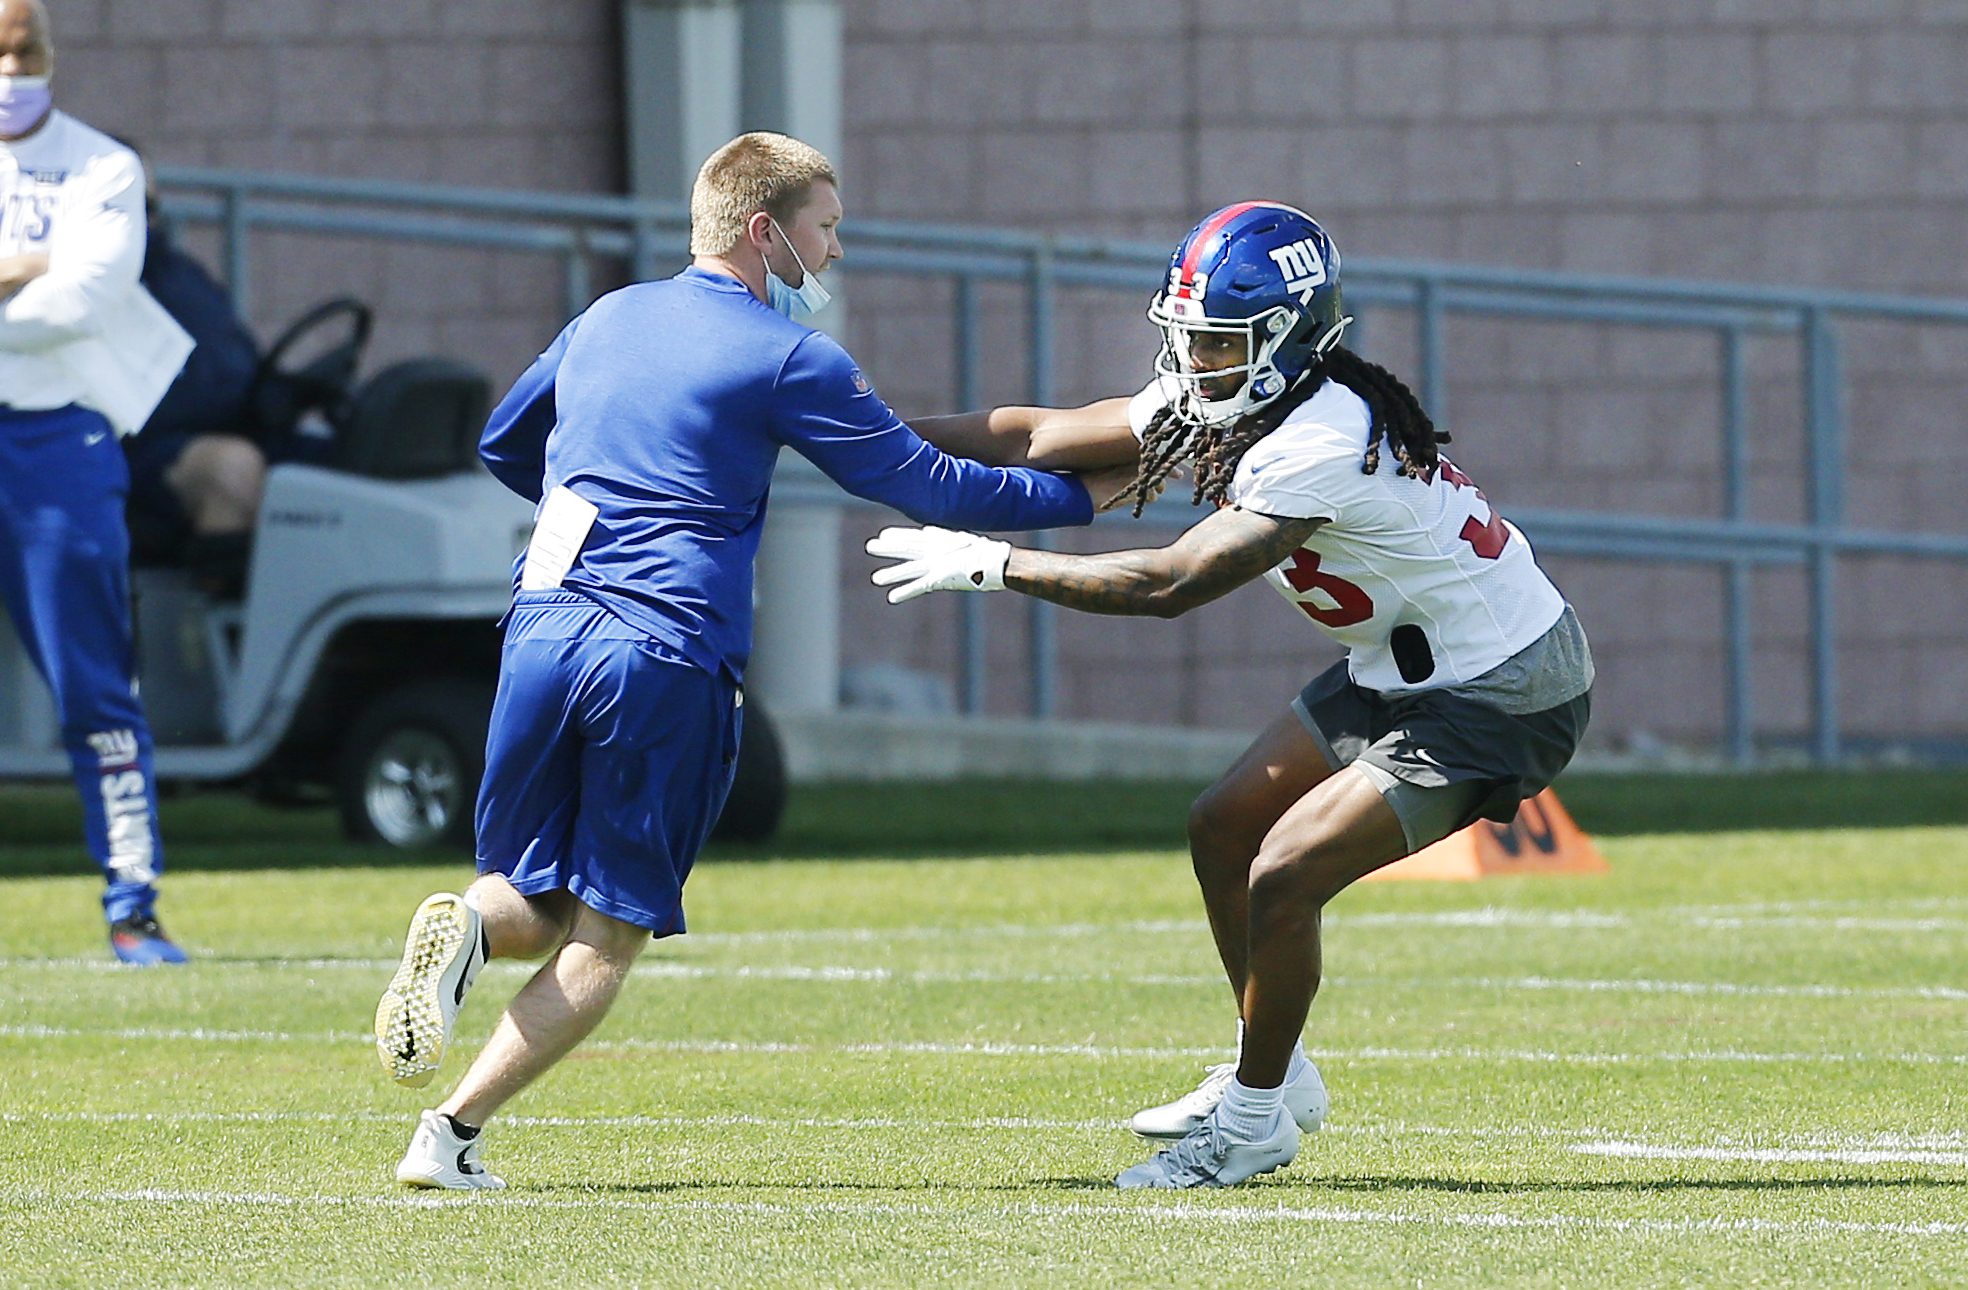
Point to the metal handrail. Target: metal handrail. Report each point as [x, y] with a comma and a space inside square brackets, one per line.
[578, 227]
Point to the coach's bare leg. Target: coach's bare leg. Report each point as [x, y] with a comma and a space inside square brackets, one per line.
[554, 1011]
[517, 926]
[1339, 832]
[1228, 824]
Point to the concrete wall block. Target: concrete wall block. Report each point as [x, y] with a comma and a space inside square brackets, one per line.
[165, 21]
[115, 88]
[1040, 178]
[1348, 169]
[1859, 160]
[436, 83]
[1707, 72]
[519, 96]
[1605, 74]
[1609, 243]
[1554, 163]
[380, 155]
[1553, 15]
[255, 20]
[1233, 162]
[1522, 238]
[1397, 235]
[1763, 13]
[511, 19]
[1300, 80]
[1763, 161]
[1854, 12]
[1137, 18]
[1139, 170]
[1404, 79]
[321, 89]
[216, 90]
[80, 24]
[1502, 76]
[1937, 13]
[1915, 68]
[1690, 359]
[1455, 165]
[1610, 425]
[380, 18]
[924, 175]
[895, 18]
[1810, 73]
[1652, 164]
[1941, 166]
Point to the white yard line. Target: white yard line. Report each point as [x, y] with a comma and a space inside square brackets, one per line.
[1773, 1155]
[985, 1048]
[846, 973]
[1120, 1209]
[1888, 1148]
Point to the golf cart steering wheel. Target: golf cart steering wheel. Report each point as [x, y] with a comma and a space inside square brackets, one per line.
[281, 394]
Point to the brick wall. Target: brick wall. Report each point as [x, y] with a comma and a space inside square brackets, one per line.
[1775, 141]
[1778, 141]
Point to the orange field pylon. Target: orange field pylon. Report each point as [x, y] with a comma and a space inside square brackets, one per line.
[1541, 839]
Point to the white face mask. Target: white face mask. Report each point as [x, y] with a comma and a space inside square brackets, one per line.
[797, 303]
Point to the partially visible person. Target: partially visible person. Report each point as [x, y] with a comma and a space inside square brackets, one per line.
[85, 355]
[197, 469]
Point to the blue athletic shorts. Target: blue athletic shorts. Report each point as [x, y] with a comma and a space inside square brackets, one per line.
[608, 761]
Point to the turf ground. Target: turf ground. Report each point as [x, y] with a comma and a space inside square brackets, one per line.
[900, 1055]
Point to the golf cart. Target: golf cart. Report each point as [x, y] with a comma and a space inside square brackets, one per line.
[360, 662]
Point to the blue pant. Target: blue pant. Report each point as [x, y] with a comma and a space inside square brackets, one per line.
[608, 761]
[65, 581]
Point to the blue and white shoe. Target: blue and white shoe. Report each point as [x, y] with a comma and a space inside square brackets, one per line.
[442, 956]
[1217, 1154]
[140, 941]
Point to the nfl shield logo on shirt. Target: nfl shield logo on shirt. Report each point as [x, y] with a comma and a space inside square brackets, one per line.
[861, 385]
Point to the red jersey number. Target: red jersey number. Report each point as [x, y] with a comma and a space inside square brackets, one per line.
[1350, 604]
[1487, 539]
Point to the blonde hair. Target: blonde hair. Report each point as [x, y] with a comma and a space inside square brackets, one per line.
[760, 171]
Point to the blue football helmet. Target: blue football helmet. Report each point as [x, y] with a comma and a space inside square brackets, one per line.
[1262, 271]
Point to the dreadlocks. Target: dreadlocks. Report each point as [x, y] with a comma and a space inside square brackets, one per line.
[1397, 418]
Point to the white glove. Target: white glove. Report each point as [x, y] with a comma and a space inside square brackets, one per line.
[936, 559]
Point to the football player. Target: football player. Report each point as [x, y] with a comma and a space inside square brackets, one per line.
[1467, 681]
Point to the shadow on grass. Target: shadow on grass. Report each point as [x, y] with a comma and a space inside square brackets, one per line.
[1475, 1186]
[40, 825]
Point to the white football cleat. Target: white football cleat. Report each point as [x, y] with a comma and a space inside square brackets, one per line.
[438, 1157]
[441, 958]
[1216, 1155]
[1305, 1099]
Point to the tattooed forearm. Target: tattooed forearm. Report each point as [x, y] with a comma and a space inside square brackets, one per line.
[1222, 553]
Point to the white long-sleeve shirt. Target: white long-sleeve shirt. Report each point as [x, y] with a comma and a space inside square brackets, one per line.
[85, 331]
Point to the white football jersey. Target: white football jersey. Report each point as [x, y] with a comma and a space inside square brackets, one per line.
[1394, 551]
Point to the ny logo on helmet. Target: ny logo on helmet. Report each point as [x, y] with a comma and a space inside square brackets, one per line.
[1304, 269]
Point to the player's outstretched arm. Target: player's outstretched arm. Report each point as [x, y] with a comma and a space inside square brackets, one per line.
[1079, 439]
[1225, 551]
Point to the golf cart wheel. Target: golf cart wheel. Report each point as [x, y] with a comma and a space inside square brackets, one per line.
[410, 767]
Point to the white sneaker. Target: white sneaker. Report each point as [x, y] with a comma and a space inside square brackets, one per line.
[1305, 1099]
[439, 1158]
[1216, 1156]
[441, 959]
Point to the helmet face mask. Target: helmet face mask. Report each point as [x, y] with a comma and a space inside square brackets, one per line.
[1262, 272]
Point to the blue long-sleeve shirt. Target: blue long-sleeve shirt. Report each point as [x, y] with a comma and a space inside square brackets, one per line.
[665, 405]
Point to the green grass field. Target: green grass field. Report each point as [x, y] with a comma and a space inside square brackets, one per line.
[900, 1053]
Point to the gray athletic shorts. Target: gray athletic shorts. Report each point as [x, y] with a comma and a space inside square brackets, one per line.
[1445, 758]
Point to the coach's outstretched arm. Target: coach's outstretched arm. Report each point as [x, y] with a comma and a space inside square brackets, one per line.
[1225, 551]
[833, 417]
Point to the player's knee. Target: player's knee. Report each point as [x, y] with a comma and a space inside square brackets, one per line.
[236, 473]
[1215, 825]
[1291, 883]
